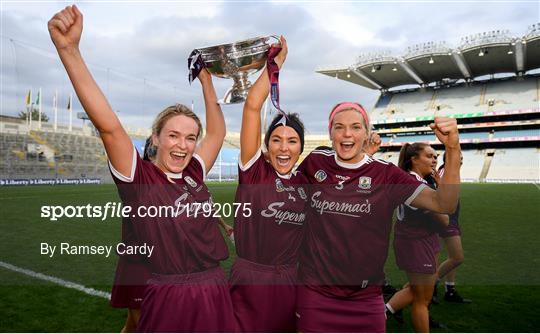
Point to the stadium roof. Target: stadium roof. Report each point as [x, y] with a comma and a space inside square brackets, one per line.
[480, 54]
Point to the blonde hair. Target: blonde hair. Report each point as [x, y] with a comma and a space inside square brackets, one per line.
[170, 112]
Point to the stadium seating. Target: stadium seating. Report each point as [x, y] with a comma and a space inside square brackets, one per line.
[511, 94]
[479, 97]
[392, 157]
[516, 133]
[48, 153]
[461, 99]
[75, 155]
[473, 161]
[405, 104]
[517, 164]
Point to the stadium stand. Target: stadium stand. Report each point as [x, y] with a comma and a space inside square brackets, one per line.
[47, 154]
[515, 164]
[490, 83]
[512, 94]
[473, 161]
[494, 94]
[226, 166]
[406, 104]
[460, 99]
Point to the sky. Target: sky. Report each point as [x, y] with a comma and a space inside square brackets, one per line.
[137, 50]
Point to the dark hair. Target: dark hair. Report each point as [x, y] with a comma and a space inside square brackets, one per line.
[149, 150]
[292, 120]
[444, 157]
[407, 152]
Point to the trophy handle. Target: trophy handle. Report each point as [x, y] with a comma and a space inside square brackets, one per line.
[276, 37]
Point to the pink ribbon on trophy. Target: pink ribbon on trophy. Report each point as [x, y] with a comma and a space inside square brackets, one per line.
[273, 74]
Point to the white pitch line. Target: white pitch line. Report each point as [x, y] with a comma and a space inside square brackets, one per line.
[56, 280]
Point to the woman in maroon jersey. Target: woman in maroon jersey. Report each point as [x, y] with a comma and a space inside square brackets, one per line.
[416, 241]
[451, 236]
[264, 275]
[352, 199]
[187, 290]
[131, 275]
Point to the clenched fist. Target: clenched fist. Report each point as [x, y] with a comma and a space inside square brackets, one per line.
[65, 28]
[446, 130]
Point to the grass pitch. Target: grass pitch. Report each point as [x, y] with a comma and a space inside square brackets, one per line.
[501, 272]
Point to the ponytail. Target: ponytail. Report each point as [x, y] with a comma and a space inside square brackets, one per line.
[407, 152]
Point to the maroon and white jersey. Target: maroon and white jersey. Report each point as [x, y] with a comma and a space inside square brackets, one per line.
[347, 232]
[183, 243]
[272, 235]
[414, 223]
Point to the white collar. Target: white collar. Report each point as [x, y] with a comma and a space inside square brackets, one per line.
[351, 166]
[169, 175]
[415, 174]
[174, 175]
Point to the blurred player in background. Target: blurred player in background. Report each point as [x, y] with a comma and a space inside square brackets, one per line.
[451, 236]
[416, 242]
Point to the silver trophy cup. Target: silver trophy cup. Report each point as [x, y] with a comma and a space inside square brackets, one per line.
[237, 61]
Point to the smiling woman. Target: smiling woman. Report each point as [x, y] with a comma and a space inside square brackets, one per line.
[352, 203]
[175, 132]
[184, 262]
[267, 244]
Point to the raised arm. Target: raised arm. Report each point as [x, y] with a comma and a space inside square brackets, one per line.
[208, 148]
[65, 29]
[250, 133]
[445, 198]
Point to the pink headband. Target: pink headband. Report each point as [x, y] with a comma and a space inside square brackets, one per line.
[345, 106]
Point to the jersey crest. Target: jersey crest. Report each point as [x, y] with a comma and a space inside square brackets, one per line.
[320, 175]
[364, 182]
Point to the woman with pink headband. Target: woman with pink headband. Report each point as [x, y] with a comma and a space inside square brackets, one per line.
[347, 234]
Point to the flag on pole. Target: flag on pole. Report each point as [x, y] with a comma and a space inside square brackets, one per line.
[28, 98]
[38, 103]
[70, 109]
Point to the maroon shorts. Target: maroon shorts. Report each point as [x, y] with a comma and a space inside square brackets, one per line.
[417, 255]
[129, 284]
[196, 302]
[451, 230]
[359, 313]
[263, 296]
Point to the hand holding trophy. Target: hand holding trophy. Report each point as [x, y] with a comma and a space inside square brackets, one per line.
[236, 61]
